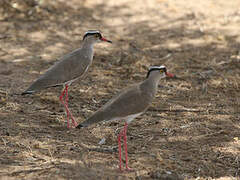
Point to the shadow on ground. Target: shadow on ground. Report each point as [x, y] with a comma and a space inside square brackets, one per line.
[191, 130]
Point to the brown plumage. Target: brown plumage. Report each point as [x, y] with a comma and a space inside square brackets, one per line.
[129, 104]
[131, 101]
[69, 68]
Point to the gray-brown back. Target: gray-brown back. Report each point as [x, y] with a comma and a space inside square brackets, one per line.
[131, 101]
[68, 68]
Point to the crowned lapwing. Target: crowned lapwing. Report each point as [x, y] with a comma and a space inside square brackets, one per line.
[129, 104]
[68, 69]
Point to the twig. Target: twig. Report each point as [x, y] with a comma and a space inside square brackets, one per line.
[177, 110]
[4, 141]
[209, 135]
[50, 153]
[109, 150]
[145, 143]
[166, 57]
[3, 92]
[28, 171]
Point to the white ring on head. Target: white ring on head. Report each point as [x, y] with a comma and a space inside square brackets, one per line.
[92, 32]
[152, 68]
[156, 67]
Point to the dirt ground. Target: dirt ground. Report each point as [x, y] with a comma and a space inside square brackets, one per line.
[192, 129]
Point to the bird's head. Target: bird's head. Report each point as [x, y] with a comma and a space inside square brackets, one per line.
[162, 70]
[94, 36]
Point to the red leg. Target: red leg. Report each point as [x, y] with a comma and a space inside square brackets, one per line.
[66, 107]
[62, 94]
[125, 145]
[66, 102]
[69, 112]
[119, 151]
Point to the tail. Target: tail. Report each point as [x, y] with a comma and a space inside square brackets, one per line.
[80, 126]
[27, 92]
[95, 118]
[88, 122]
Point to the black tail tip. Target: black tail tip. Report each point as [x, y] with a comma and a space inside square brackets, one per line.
[79, 126]
[26, 92]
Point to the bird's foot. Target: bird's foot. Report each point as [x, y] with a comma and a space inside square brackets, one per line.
[74, 123]
[71, 125]
[129, 169]
[120, 169]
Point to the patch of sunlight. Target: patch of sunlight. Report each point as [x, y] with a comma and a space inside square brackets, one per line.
[172, 45]
[58, 47]
[221, 178]
[70, 161]
[63, 35]
[194, 42]
[17, 51]
[225, 178]
[231, 147]
[33, 72]
[22, 125]
[215, 82]
[237, 39]
[47, 56]
[37, 36]
[12, 106]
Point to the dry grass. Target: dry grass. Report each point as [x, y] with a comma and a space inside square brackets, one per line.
[190, 132]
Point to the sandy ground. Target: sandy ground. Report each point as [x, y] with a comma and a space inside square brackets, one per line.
[192, 129]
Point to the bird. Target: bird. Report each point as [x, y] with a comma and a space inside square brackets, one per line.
[129, 104]
[68, 69]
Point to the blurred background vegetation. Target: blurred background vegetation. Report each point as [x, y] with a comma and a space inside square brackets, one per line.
[26, 9]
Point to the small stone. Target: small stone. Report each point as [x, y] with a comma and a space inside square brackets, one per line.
[103, 140]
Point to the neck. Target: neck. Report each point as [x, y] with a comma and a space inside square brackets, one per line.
[151, 83]
[154, 77]
[87, 48]
[87, 44]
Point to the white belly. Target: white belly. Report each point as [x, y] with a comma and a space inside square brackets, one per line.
[128, 119]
